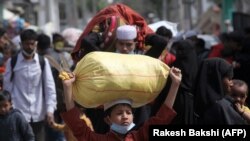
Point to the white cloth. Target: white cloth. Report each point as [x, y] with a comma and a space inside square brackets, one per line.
[16, 40]
[190, 33]
[119, 101]
[71, 35]
[26, 88]
[126, 32]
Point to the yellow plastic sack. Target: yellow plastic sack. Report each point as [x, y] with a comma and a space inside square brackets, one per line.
[102, 77]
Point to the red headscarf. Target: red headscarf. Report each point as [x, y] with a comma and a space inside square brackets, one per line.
[125, 13]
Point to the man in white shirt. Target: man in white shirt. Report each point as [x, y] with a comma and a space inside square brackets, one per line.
[32, 86]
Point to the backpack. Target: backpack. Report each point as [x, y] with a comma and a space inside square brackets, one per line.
[13, 63]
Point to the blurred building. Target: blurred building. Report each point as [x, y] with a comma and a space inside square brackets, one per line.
[207, 16]
[45, 13]
[57, 15]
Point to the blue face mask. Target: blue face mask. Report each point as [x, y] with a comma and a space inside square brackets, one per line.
[121, 129]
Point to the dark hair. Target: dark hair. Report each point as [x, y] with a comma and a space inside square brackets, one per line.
[163, 31]
[28, 34]
[240, 83]
[43, 41]
[200, 43]
[224, 37]
[109, 110]
[247, 30]
[2, 32]
[235, 36]
[5, 95]
[57, 37]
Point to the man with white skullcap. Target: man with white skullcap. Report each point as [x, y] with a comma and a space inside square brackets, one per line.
[126, 35]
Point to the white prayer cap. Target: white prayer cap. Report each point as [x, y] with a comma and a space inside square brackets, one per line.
[119, 101]
[126, 32]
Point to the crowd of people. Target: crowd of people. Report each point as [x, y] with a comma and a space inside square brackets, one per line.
[205, 86]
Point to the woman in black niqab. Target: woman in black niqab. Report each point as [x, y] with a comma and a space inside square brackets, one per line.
[186, 61]
[209, 86]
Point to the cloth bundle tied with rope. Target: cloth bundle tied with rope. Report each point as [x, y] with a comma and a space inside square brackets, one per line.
[106, 21]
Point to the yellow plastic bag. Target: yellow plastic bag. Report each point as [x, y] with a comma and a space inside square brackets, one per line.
[102, 77]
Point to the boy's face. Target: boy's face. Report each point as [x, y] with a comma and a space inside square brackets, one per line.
[5, 107]
[239, 93]
[122, 115]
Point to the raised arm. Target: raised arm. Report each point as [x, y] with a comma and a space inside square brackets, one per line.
[80, 129]
[176, 77]
[68, 79]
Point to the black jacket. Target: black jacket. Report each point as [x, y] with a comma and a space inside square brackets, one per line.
[14, 127]
[223, 112]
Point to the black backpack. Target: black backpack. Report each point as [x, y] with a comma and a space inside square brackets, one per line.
[13, 63]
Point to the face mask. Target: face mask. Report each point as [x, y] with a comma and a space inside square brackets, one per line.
[29, 54]
[59, 45]
[121, 129]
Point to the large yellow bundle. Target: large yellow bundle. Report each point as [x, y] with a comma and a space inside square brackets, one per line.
[102, 77]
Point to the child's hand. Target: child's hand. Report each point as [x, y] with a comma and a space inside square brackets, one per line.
[239, 108]
[175, 75]
[67, 78]
[53, 125]
[64, 75]
[58, 127]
